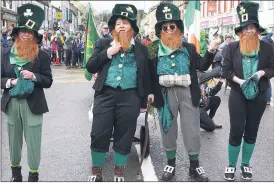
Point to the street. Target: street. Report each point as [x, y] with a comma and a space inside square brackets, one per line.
[66, 140]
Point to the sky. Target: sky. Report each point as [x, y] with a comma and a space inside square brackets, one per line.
[108, 5]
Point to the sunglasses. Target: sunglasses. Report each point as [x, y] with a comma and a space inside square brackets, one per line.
[171, 26]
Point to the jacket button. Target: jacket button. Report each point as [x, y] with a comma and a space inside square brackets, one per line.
[172, 56]
[118, 78]
[173, 64]
[122, 55]
[120, 66]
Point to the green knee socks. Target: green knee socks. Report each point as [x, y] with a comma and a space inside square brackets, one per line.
[171, 154]
[98, 159]
[233, 153]
[247, 151]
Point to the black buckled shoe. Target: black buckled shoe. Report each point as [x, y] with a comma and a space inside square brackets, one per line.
[16, 174]
[169, 170]
[119, 174]
[96, 175]
[197, 172]
[230, 173]
[246, 172]
[33, 177]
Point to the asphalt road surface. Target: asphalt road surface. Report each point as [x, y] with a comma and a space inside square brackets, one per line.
[65, 141]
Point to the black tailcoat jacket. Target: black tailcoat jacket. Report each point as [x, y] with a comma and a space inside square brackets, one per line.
[42, 71]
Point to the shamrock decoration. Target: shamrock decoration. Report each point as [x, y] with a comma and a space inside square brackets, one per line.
[28, 13]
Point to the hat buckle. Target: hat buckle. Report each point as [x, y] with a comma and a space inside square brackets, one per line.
[124, 14]
[30, 23]
[244, 17]
[168, 16]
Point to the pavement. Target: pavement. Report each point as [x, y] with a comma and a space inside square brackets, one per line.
[65, 154]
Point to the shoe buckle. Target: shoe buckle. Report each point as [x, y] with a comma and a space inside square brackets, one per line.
[119, 179]
[230, 170]
[247, 169]
[92, 178]
[168, 169]
[200, 170]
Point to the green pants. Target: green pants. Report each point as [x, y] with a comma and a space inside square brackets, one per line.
[21, 120]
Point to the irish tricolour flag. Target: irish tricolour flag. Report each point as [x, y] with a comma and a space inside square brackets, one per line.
[192, 23]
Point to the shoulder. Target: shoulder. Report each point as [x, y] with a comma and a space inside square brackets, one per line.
[265, 45]
[103, 41]
[43, 55]
[234, 44]
[5, 50]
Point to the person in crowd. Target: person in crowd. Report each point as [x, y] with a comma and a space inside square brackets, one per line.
[76, 51]
[203, 44]
[248, 66]
[54, 50]
[60, 45]
[105, 31]
[68, 50]
[148, 39]
[46, 43]
[265, 36]
[209, 101]
[121, 90]
[25, 72]
[175, 88]
[4, 40]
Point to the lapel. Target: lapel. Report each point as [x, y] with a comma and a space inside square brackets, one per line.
[137, 53]
[237, 60]
[260, 66]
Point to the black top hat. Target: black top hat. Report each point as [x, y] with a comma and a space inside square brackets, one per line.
[30, 17]
[248, 14]
[127, 11]
[167, 12]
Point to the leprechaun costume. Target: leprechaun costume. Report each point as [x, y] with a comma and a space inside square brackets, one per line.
[121, 89]
[24, 102]
[175, 87]
[248, 75]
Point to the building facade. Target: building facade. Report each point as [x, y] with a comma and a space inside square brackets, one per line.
[223, 16]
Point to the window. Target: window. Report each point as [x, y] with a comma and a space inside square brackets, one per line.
[10, 4]
[4, 23]
[4, 3]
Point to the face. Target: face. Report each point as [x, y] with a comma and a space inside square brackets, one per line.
[169, 27]
[25, 35]
[122, 25]
[228, 40]
[151, 35]
[249, 30]
[105, 30]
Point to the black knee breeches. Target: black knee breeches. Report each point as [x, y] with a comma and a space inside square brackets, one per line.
[115, 112]
[245, 117]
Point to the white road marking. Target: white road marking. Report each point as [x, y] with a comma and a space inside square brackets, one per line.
[147, 167]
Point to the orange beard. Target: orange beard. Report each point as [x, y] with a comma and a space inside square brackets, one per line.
[124, 38]
[173, 40]
[26, 49]
[249, 43]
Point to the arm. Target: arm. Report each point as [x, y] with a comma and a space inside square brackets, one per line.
[147, 80]
[202, 63]
[213, 91]
[44, 77]
[269, 70]
[5, 81]
[98, 58]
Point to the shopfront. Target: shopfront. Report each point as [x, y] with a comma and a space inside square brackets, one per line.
[8, 18]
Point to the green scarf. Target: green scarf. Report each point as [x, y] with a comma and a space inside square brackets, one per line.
[14, 59]
[164, 50]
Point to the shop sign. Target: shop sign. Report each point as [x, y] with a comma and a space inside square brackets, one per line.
[204, 24]
[9, 17]
[227, 20]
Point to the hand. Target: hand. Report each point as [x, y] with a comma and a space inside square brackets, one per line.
[241, 81]
[14, 82]
[115, 48]
[142, 110]
[150, 96]
[222, 80]
[27, 74]
[259, 73]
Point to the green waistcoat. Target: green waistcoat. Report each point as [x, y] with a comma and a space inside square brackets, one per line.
[123, 70]
[171, 62]
[250, 65]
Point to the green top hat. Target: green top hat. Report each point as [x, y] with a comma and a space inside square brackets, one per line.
[30, 17]
[248, 14]
[127, 11]
[167, 12]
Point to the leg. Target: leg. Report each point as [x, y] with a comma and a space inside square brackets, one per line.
[32, 125]
[190, 127]
[255, 110]
[237, 111]
[214, 103]
[206, 122]
[169, 138]
[101, 131]
[15, 134]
